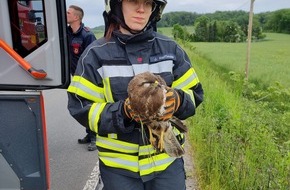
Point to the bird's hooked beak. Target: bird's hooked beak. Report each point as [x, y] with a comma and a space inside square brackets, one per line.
[156, 83]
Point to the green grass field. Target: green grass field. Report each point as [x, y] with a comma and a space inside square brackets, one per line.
[269, 63]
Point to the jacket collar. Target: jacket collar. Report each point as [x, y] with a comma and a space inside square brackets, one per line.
[140, 37]
[78, 31]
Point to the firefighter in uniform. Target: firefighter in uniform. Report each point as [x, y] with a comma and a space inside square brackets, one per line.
[79, 37]
[79, 40]
[99, 89]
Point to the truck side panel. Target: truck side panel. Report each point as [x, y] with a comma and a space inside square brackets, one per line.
[23, 142]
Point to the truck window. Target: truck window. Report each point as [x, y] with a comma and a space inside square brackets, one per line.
[28, 25]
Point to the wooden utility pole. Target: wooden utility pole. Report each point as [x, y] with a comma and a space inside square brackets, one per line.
[250, 28]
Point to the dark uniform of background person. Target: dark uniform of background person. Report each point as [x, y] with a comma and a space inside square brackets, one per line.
[79, 37]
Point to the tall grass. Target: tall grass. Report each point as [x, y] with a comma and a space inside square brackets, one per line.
[235, 140]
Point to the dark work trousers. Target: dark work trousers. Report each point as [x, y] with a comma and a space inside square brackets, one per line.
[173, 178]
[92, 134]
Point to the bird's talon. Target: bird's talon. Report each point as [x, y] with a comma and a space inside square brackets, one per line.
[152, 141]
[160, 145]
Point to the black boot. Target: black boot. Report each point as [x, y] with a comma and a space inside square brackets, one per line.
[92, 146]
[84, 140]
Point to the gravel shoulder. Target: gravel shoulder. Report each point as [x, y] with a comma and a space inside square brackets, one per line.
[191, 181]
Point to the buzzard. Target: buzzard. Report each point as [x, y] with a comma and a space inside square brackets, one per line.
[147, 97]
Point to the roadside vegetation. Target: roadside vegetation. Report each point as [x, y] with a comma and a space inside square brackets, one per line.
[241, 133]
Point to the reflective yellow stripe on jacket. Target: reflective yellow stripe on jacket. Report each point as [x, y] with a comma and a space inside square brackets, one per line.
[95, 114]
[155, 163]
[126, 159]
[187, 81]
[84, 88]
[133, 157]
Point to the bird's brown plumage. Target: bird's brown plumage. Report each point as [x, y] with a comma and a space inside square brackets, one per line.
[147, 95]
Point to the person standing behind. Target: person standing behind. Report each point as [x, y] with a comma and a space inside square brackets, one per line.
[79, 38]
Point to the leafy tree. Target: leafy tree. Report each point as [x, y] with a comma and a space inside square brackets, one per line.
[213, 32]
[232, 32]
[182, 18]
[257, 30]
[180, 32]
[281, 21]
[221, 28]
[201, 29]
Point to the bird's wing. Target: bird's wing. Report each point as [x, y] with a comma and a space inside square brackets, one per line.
[165, 139]
[178, 124]
[171, 145]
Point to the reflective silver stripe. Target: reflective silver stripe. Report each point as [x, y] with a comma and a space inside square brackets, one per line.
[156, 163]
[94, 115]
[109, 71]
[113, 135]
[163, 66]
[108, 91]
[121, 162]
[115, 71]
[86, 90]
[146, 150]
[117, 145]
[117, 160]
[187, 81]
[190, 92]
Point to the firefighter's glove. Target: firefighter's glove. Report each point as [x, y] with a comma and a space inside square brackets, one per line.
[172, 103]
[132, 115]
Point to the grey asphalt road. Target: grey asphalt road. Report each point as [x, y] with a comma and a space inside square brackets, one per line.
[72, 166]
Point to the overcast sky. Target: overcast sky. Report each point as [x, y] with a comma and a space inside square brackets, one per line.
[94, 8]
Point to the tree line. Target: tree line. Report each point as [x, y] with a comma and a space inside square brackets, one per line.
[225, 26]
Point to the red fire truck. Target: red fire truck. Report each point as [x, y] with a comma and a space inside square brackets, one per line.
[31, 27]
[34, 57]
